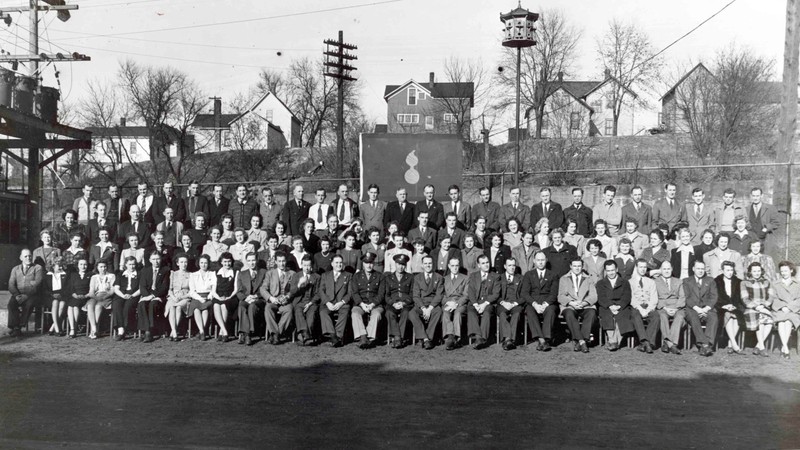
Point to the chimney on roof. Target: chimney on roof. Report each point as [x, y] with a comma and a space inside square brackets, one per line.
[217, 123]
[560, 77]
[122, 121]
[432, 77]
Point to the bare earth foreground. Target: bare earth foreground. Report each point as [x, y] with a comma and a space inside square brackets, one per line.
[56, 392]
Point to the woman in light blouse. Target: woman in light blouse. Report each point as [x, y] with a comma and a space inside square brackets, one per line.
[786, 306]
[593, 261]
[240, 248]
[294, 262]
[105, 251]
[754, 255]
[757, 296]
[133, 251]
[126, 290]
[55, 287]
[78, 293]
[572, 237]
[178, 296]
[542, 230]
[201, 284]
[101, 289]
[601, 233]
[45, 254]
[513, 237]
[224, 295]
[214, 248]
[255, 233]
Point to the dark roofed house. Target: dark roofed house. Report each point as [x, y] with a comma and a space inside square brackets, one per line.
[432, 107]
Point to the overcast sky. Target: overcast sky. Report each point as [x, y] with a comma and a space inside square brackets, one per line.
[397, 40]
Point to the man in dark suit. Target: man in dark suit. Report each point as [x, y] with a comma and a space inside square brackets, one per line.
[135, 226]
[368, 291]
[153, 286]
[116, 207]
[511, 305]
[144, 200]
[614, 302]
[248, 283]
[217, 206]
[483, 291]
[295, 211]
[159, 246]
[546, 208]
[701, 300]
[335, 298]
[400, 211]
[450, 230]
[427, 292]
[303, 294]
[423, 231]
[577, 297]
[275, 292]
[372, 211]
[194, 204]
[443, 254]
[462, 210]
[488, 209]
[515, 209]
[102, 221]
[580, 213]
[169, 199]
[434, 209]
[559, 254]
[454, 303]
[399, 299]
[242, 208]
[639, 210]
[763, 220]
[669, 210]
[539, 292]
[345, 208]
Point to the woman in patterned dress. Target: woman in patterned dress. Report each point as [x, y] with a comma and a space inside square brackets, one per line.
[178, 296]
[757, 296]
[101, 290]
[45, 254]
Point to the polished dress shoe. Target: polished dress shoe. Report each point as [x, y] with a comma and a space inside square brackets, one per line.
[576, 346]
[665, 347]
[546, 346]
[427, 344]
[336, 342]
[449, 343]
[584, 347]
[479, 343]
[648, 348]
[248, 340]
[509, 345]
[675, 350]
[363, 342]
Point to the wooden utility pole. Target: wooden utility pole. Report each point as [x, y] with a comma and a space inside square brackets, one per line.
[782, 187]
[336, 67]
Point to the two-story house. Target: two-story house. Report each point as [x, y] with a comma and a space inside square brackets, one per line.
[432, 107]
[123, 144]
[267, 124]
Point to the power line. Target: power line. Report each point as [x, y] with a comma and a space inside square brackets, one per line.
[255, 19]
[190, 44]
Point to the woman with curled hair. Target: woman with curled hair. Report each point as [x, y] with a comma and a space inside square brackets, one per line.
[178, 296]
[513, 237]
[470, 254]
[753, 254]
[224, 295]
[46, 253]
[74, 252]
[594, 260]
[757, 296]
[126, 290]
[56, 290]
[78, 286]
[656, 253]
[542, 230]
[101, 290]
[601, 233]
[786, 306]
[729, 302]
[572, 237]
[201, 286]
[706, 244]
[481, 232]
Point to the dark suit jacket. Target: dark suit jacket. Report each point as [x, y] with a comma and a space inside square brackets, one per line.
[430, 293]
[127, 227]
[429, 237]
[399, 290]
[675, 260]
[166, 253]
[242, 212]
[555, 215]
[559, 260]
[162, 282]
[498, 265]
[582, 217]
[439, 264]
[215, 211]
[201, 205]
[373, 217]
[435, 213]
[350, 203]
[306, 294]
[700, 296]
[522, 213]
[662, 213]
[644, 217]
[511, 291]
[619, 295]
[335, 292]
[247, 286]
[483, 291]
[406, 218]
[767, 216]
[456, 239]
[489, 210]
[294, 215]
[540, 290]
[161, 203]
[123, 212]
[110, 256]
[735, 298]
[93, 230]
[370, 291]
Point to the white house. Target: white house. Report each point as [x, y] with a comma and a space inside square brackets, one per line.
[123, 144]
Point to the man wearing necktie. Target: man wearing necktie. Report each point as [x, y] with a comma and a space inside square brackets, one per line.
[701, 300]
[335, 298]
[400, 211]
[372, 211]
[275, 292]
[644, 300]
[539, 292]
[427, 292]
[303, 293]
[701, 217]
[295, 211]
[154, 287]
[638, 210]
[547, 208]
[194, 204]
[270, 210]
[577, 297]
[510, 305]
[168, 200]
[671, 305]
[456, 205]
[483, 291]
[344, 207]
[319, 211]
[454, 303]
[614, 301]
[434, 209]
[116, 206]
[368, 290]
[668, 210]
[515, 209]
[248, 285]
[23, 284]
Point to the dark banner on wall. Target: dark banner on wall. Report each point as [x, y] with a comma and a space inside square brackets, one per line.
[411, 161]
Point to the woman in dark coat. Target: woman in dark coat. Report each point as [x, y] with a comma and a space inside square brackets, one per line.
[78, 288]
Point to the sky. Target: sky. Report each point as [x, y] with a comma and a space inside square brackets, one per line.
[397, 39]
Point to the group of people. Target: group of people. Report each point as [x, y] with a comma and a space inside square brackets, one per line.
[435, 264]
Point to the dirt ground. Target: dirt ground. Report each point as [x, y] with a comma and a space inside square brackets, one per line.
[57, 392]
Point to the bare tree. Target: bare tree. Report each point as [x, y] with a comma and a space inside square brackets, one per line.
[731, 109]
[554, 53]
[466, 78]
[625, 53]
[275, 82]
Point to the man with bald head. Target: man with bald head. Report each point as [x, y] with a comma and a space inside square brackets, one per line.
[137, 226]
[23, 284]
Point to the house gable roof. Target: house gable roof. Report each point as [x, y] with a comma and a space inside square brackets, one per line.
[437, 90]
[699, 66]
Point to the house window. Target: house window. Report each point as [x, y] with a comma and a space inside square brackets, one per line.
[133, 148]
[428, 122]
[574, 121]
[449, 118]
[660, 119]
[412, 96]
[609, 127]
[268, 115]
[407, 118]
[421, 96]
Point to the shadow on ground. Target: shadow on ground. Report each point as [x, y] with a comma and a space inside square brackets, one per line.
[364, 406]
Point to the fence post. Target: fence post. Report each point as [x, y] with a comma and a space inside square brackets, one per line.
[788, 207]
[288, 187]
